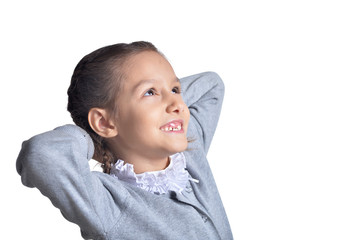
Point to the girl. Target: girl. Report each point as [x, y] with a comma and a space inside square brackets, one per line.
[128, 106]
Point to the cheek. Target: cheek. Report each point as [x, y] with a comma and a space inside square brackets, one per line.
[144, 121]
[186, 116]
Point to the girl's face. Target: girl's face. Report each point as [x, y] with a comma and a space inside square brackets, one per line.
[152, 120]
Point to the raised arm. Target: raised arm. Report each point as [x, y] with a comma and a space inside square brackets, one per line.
[56, 162]
[203, 93]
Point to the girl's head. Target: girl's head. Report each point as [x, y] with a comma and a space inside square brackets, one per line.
[127, 97]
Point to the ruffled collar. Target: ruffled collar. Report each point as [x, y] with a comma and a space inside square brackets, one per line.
[174, 178]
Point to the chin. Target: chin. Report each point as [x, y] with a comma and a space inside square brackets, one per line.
[180, 147]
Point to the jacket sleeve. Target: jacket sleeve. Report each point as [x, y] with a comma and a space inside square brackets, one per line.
[56, 162]
[203, 94]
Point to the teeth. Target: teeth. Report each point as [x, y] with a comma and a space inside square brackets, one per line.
[167, 129]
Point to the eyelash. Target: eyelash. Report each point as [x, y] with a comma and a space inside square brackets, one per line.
[177, 91]
[152, 92]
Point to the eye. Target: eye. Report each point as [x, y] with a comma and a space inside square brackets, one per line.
[150, 92]
[176, 90]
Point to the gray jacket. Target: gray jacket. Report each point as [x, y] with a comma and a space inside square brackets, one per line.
[56, 162]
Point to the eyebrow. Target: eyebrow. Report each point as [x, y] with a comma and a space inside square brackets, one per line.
[142, 82]
[148, 81]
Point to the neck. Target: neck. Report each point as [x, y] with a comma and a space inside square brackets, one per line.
[142, 165]
[150, 162]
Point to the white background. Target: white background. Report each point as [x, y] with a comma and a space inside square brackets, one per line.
[287, 151]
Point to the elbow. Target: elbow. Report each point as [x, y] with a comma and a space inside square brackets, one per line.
[218, 84]
[25, 162]
[216, 80]
[27, 149]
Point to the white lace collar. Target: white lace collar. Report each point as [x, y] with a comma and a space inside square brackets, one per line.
[174, 178]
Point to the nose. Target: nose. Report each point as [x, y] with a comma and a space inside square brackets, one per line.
[175, 104]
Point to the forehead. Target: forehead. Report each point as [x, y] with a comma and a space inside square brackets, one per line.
[147, 66]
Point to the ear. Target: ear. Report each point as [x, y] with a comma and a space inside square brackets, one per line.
[100, 121]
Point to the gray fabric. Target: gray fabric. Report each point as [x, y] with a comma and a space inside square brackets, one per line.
[56, 162]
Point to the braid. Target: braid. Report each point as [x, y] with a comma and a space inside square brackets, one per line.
[102, 152]
[108, 158]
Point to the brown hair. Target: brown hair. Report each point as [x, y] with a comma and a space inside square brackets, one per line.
[95, 83]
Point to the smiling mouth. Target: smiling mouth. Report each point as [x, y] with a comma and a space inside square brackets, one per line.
[173, 126]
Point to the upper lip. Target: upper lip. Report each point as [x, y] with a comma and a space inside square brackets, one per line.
[178, 121]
